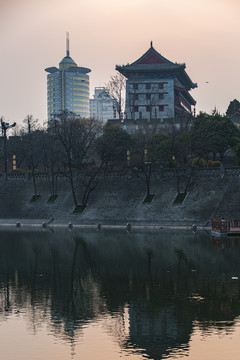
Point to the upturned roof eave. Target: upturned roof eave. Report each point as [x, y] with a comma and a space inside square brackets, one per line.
[180, 110]
[186, 94]
[189, 98]
[161, 65]
[176, 70]
[128, 69]
[185, 79]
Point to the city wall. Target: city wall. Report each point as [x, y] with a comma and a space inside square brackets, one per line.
[118, 200]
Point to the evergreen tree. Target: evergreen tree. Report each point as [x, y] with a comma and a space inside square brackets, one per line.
[233, 108]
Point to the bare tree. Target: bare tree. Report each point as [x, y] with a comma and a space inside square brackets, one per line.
[1, 156]
[149, 150]
[179, 135]
[115, 88]
[132, 102]
[152, 102]
[52, 154]
[89, 181]
[76, 136]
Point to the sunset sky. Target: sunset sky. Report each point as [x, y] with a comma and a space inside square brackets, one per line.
[204, 34]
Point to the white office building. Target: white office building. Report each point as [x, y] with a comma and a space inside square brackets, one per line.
[101, 106]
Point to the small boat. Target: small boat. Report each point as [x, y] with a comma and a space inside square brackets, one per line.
[222, 227]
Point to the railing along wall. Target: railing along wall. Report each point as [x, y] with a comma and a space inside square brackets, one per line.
[38, 176]
[164, 173]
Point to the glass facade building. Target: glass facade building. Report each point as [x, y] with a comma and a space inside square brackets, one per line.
[67, 88]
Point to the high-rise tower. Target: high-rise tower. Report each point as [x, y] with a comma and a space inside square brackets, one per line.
[67, 87]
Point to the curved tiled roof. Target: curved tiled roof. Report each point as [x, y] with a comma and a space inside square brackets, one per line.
[152, 61]
[150, 67]
[151, 56]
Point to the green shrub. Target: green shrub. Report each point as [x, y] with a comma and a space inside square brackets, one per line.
[149, 198]
[216, 163]
[34, 170]
[52, 198]
[179, 198]
[17, 170]
[35, 198]
[79, 209]
[198, 162]
[73, 169]
[212, 163]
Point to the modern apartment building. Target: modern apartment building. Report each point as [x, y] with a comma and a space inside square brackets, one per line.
[67, 87]
[101, 106]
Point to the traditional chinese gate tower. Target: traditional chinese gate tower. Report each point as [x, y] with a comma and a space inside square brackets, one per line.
[157, 88]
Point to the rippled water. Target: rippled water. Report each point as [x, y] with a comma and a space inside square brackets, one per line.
[112, 295]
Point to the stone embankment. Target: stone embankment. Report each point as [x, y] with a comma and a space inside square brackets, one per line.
[118, 201]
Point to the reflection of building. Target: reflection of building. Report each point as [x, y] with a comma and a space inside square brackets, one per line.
[157, 88]
[223, 243]
[159, 331]
[142, 290]
[101, 106]
[68, 87]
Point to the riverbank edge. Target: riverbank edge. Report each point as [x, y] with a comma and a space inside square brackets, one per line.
[38, 223]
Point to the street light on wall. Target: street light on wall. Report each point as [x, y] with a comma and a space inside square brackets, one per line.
[5, 126]
[128, 158]
[14, 162]
[145, 155]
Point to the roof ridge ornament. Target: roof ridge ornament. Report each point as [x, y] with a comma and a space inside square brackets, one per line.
[151, 44]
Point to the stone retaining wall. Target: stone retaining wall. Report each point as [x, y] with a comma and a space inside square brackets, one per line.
[119, 200]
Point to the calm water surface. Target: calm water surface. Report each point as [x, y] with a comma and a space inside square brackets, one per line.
[113, 295]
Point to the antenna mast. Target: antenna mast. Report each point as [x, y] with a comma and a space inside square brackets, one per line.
[67, 44]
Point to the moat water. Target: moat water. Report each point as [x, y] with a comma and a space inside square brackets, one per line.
[113, 295]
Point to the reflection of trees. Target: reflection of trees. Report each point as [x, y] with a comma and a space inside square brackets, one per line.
[167, 281]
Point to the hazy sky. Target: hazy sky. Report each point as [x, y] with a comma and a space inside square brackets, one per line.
[204, 34]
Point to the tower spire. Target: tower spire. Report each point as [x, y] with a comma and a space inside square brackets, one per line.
[67, 44]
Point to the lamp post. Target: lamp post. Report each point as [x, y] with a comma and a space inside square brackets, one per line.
[5, 126]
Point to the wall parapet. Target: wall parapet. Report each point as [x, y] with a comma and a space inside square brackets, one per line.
[165, 173]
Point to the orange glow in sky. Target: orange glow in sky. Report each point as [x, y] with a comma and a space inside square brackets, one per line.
[204, 34]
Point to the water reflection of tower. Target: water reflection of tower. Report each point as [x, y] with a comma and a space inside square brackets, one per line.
[157, 331]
